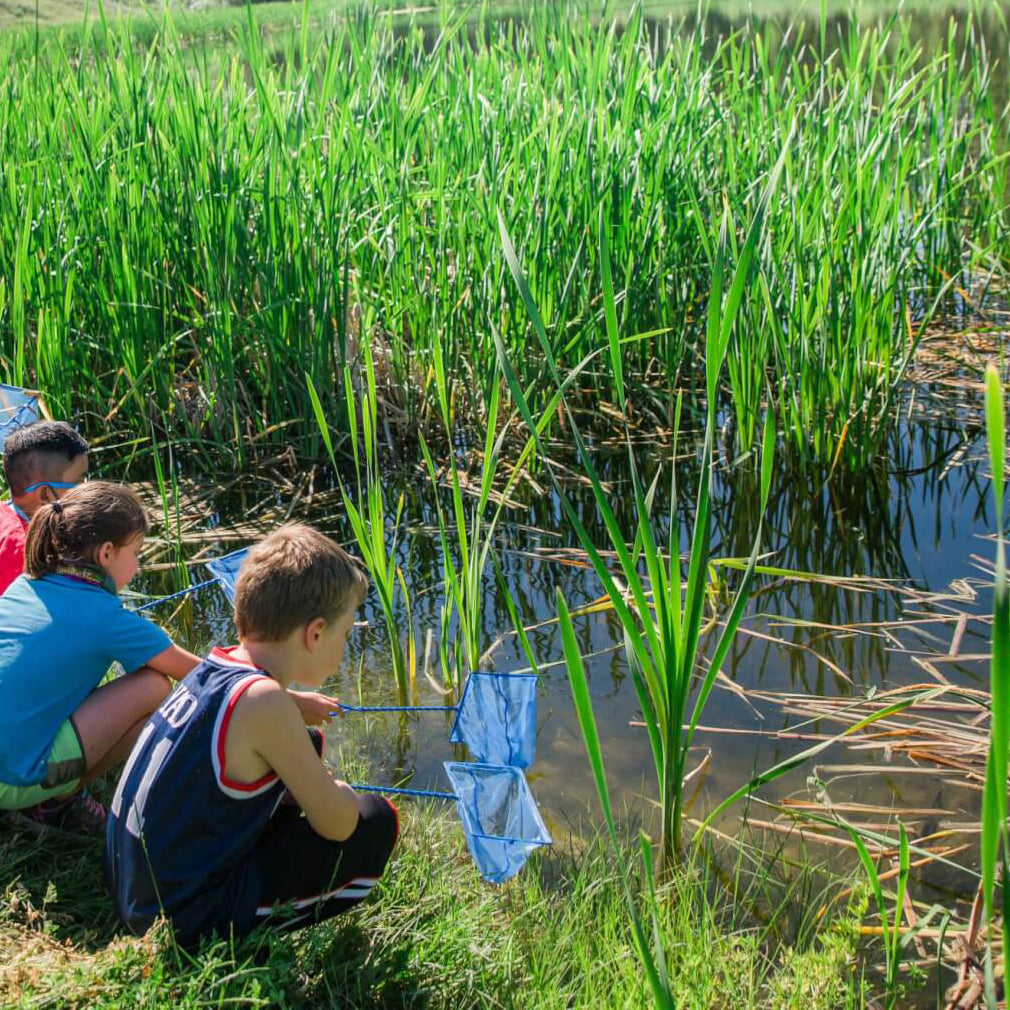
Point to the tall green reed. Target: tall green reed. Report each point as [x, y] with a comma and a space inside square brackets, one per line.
[466, 541]
[168, 492]
[186, 232]
[467, 536]
[376, 531]
[995, 832]
[650, 949]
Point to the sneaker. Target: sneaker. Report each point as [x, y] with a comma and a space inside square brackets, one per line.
[77, 814]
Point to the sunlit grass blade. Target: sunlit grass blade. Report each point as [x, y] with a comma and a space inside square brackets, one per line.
[610, 312]
[740, 600]
[591, 739]
[995, 842]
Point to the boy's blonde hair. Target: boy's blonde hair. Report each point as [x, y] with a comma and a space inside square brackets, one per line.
[291, 577]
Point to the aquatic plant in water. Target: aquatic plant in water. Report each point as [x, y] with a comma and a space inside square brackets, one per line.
[368, 515]
[995, 832]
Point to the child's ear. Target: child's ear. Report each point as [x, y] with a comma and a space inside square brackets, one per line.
[314, 633]
[103, 555]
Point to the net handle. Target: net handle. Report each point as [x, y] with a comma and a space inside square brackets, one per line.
[394, 708]
[175, 596]
[185, 592]
[424, 793]
[431, 794]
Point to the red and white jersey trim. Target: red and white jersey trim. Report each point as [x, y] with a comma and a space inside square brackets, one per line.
[236, 790]
[225, 657]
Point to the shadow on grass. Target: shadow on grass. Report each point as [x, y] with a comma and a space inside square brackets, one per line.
[61, 945]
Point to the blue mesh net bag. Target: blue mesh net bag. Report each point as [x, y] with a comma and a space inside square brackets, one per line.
[225, 570]
[500, 817]
[497, 718]
[18, 407]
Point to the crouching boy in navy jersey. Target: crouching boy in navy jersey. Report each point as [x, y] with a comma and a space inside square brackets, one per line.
[225, 816]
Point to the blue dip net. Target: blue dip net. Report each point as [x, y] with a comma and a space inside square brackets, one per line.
[225, 570]
[18, 407]
[497, 718]
[500, 817]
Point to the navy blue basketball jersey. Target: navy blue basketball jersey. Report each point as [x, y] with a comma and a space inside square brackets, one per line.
[180, 831]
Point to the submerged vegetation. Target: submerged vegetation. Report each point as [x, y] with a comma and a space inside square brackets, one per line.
[184, 233]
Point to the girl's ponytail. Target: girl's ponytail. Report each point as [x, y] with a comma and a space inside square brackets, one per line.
[42, 547]
[70, 531]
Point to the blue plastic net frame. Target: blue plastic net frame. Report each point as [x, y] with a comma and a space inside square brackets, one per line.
[514, 732]
[18, 407]
[502, 853]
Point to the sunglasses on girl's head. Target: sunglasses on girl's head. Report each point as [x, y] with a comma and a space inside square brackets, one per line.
[56, 485]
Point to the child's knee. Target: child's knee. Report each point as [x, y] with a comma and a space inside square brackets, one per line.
[383, 825]
[157, 687]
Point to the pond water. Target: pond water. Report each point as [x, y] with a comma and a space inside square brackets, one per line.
[917, 519]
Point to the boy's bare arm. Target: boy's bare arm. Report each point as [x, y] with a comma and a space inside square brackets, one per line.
[273, 728]
[174, 662]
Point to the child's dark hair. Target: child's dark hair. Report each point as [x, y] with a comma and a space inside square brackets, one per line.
[291, 577]
[69, 531]
[39, 451]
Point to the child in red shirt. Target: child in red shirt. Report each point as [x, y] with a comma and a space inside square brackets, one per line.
[41, 462]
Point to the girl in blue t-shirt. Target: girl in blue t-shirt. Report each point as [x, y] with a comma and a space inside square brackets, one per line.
[61, 627]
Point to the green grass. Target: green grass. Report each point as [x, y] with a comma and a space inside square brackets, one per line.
[433, 937]
[186, 230]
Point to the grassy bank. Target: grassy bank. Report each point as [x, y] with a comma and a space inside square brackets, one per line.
[185, 233]
[435, 936]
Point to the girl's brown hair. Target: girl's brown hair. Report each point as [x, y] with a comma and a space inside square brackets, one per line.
[70, 531]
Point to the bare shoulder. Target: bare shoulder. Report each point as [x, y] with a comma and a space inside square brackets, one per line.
[264, 722]
[267, 702]
[265, 711]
